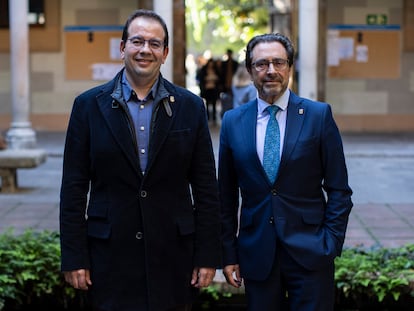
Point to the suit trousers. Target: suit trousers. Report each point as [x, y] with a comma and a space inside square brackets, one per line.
[291, 287]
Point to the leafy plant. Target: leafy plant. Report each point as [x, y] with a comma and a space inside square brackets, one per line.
[376, 273]
[29, 269]
[218, 25]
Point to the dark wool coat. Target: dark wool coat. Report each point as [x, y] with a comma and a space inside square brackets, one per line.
[142, 234]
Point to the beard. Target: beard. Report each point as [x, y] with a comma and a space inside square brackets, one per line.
[270, 93]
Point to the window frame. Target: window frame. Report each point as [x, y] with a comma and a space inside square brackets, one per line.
[46, 38]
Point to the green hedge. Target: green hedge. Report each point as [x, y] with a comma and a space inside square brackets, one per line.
[377, 276]
[30, 275]
[30, 271]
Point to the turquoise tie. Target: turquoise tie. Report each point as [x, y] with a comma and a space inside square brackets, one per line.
[271, 152]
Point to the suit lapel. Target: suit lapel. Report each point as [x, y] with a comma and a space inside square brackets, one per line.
[248, 127]
[295, 116]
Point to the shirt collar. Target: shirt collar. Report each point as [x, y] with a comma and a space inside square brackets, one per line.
[282, 102]
[127, 89]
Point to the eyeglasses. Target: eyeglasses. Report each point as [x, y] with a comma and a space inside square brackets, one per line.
[263, 64]
[139, 42]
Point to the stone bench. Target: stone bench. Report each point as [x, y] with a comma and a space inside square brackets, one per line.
[12, 159]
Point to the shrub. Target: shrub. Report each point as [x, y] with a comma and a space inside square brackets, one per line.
[378, 274]
[30, 270]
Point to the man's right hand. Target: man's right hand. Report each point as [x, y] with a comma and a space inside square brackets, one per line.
[79, 279]
[232, 274]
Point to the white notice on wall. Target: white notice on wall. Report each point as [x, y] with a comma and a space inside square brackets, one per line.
[361, 53]
[346, 48]
[333, 48]
[105, 71]
[114, 45]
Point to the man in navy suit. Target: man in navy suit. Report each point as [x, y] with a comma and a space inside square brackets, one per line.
[283, 239]
[139, 210]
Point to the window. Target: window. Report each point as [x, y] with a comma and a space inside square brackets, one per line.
[45, 35]
[36, 14]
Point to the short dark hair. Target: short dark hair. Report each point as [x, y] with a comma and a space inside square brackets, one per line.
[269, 37]
[148, 14]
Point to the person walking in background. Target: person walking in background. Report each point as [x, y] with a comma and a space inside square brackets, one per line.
[209, 80]
[139, 208]
[243, 89]
[285, 155]
[228, 68]
[200, 61]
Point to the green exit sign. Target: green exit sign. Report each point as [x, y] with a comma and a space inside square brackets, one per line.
[377, 19]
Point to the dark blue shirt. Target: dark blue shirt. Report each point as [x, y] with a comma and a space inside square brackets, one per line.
[141, 111]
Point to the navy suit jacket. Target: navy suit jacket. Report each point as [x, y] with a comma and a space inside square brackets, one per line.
[307, 207]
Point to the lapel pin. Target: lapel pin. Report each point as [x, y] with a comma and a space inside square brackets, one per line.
[115, 104]
[300, 110]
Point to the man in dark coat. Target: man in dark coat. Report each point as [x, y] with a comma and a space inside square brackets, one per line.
[139, 211]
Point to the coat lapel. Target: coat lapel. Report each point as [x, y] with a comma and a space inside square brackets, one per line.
[295, 116]
[165, 111]
[119, 126]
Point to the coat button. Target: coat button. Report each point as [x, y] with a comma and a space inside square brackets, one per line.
[274, 192]
[271, 220]
[143, 194]
[139, 235]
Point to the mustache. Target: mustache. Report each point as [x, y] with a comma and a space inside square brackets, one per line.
[273, 79]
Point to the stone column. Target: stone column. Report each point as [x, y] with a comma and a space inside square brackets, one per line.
[164, 8]
[308, 48]
[20, 135]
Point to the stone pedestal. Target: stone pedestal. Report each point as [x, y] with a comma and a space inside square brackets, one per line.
[21, 136]
[13, 159]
